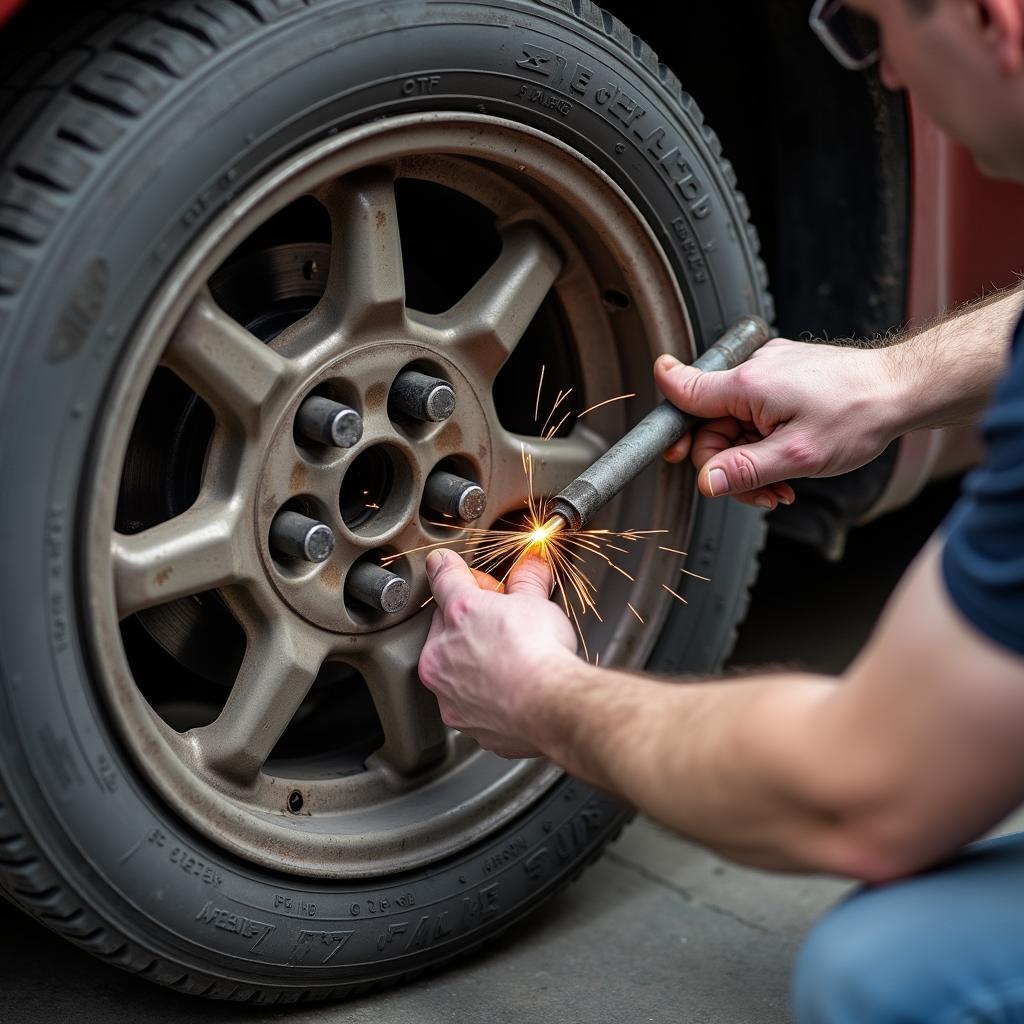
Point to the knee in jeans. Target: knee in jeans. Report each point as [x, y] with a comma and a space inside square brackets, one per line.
[854, 968]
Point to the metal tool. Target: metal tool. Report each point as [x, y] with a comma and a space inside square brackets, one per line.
[581, 500]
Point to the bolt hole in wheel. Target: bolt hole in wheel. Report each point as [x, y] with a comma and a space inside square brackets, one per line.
[615, 301]
[418, 272]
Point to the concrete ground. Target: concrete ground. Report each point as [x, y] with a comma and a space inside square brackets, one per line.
[657, 931]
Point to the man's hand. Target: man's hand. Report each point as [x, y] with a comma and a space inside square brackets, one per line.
[795, 409]
[798, 409]
[484, 654]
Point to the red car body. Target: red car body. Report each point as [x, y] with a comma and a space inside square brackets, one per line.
[966, 228]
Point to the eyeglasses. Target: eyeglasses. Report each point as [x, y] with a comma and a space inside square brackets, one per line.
[853, 39]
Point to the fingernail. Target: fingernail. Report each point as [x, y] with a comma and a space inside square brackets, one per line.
[763, 501]
[434, 562]
[785, 501]
[718, 482]
[668, 362]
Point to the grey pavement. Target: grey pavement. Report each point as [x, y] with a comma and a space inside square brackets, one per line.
[658, 930]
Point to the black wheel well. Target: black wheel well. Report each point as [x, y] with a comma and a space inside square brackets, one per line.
[822, 155]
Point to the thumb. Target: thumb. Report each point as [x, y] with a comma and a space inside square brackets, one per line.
[449, 577]
[531, 575]
[707, 395]
[745, 468]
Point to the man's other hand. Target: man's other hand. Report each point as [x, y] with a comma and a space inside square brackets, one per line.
[795, 409]
[492, 650]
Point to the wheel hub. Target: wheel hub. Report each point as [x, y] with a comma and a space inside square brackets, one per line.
[371, 494]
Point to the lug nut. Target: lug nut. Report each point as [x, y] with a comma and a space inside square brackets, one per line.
[421, 397]
[375, 587]
[451, 495]
[327, 422]
[299, 536]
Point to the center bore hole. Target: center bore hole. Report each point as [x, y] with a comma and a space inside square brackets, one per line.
[367, 486]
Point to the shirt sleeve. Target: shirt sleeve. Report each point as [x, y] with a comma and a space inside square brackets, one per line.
[983, 557]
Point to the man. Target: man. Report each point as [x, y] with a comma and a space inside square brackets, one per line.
[919, 748]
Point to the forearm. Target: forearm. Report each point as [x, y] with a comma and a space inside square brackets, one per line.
[722, 763]
[946, 373]
[914, 752]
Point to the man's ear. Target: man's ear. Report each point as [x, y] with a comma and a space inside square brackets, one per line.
[1002, 21]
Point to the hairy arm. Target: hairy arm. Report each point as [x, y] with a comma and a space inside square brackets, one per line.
[802, 409]
[945, 373]
[916, 750]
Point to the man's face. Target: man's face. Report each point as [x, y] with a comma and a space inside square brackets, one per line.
[950, 59]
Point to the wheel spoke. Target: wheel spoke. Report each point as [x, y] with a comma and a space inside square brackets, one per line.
[230, 368]
[554, 463]
[276, 673]
[366, 283]
[414, 735]
[490, 321]
[186, 555]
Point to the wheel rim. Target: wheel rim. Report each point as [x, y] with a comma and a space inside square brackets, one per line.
[567, 236]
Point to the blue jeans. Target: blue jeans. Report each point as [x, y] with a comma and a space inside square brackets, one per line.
[945, 947]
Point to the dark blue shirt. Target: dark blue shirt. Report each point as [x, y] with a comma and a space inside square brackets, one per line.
[983, 561]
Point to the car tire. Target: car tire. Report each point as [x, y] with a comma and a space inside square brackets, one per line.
[123, 138]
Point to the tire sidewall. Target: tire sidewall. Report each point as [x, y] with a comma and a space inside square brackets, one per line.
[178, 168]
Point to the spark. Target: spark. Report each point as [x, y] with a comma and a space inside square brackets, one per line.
[687, 572]
[601, 405]
[538, 532]
[543, 533]
[695, 575]
[554, 430]
[559, 399]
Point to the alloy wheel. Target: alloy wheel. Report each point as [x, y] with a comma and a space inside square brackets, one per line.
[279, 428]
